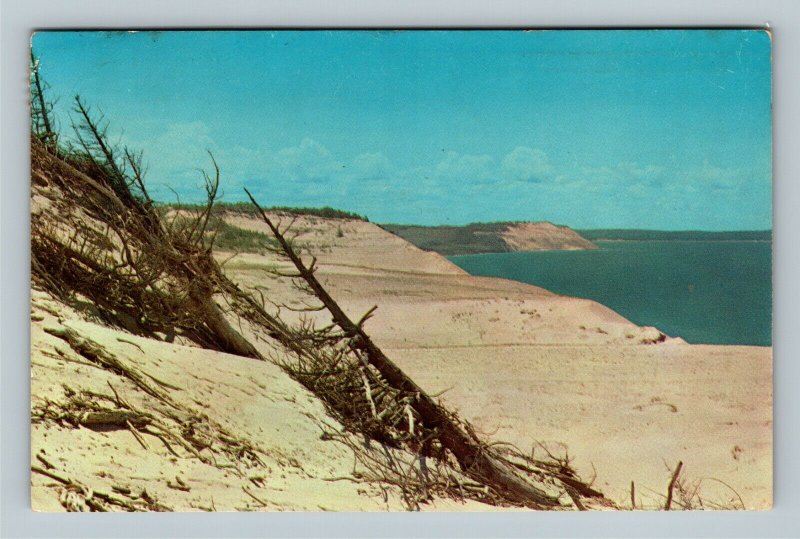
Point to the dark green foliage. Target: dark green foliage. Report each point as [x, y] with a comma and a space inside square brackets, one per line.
[454, 240]
[244, 208]
[674, 235]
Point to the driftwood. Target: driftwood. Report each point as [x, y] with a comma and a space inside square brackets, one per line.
[473, 457]
[169, 277]
[99, 500]
[100, 356]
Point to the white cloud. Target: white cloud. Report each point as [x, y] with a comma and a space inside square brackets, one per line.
[716, 177]
[180, 149]
[632, 170]
[308, 161]
[523, 182]
[370, 166]
[526, 164]
[466, 167]
[308, 149]
[629, 176]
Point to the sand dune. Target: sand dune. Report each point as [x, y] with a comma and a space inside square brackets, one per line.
[253, 401]
[517, 360]
[543, 367]
[543, 236]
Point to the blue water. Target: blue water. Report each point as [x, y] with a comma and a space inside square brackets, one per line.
[705, 292]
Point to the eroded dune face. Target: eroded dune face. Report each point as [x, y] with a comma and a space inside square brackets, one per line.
[425, 299]
[542, 237]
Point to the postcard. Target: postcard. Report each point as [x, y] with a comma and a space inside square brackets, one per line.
[401, 270]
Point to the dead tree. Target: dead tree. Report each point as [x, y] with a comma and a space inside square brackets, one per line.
[113, 248]
[41, 108]
[475, 458]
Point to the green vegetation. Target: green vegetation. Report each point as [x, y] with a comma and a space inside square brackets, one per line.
[246, 208]
[232, 238]
[454, 240]
[674, 235]
[227, 237]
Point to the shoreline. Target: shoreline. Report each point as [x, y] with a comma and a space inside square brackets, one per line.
[663, 283]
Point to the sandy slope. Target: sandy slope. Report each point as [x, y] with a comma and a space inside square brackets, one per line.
[535, 366]
[622, 411]
[543, 236]
[517, 359]
[251, 400]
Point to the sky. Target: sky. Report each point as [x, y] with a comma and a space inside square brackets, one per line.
[657, 129]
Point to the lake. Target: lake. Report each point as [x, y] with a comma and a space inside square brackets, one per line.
[712, 292]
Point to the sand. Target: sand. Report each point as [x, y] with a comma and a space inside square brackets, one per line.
[525, 365]
[534, 366]
[542, 237]
[253, 400]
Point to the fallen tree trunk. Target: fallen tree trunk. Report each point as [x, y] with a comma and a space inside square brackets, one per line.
[473, 457]
[229, 340]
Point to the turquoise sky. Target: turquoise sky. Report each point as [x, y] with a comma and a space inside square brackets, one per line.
[637, 129]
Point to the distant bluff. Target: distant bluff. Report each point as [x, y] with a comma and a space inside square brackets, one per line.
[491, 237]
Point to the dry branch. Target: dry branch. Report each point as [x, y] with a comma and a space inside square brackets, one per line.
[97, 354]
[474, 458]
[113, 250]
[671, 486]
[143, 502]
